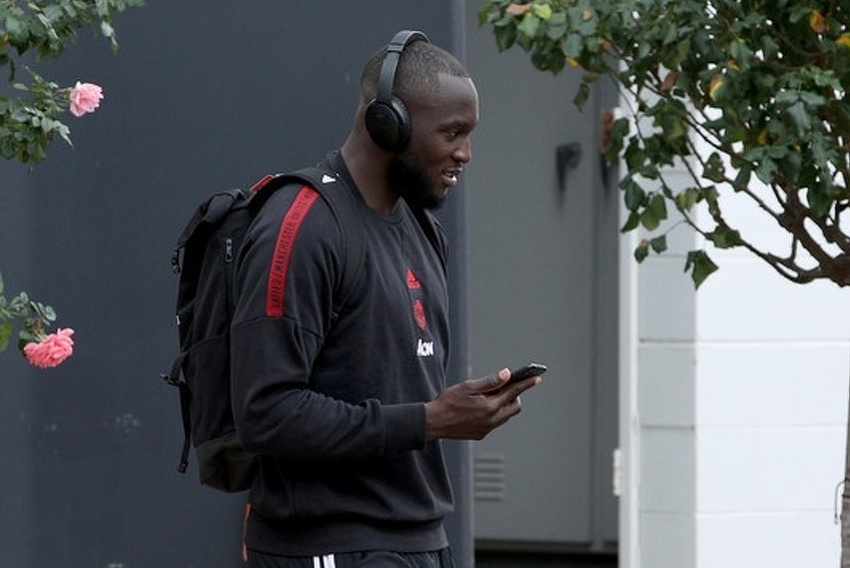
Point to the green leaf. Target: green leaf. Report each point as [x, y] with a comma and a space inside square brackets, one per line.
[742, 54]
[557, 26]
[655, 212]
[766, 170]
[572, 45]
[581, 96]
[714, 169]
[102, 7]
[485, 15]
[529, 25]
[635, 156]
[659, 244]
[21, 299]
[687, 198]
[634, 196]
[631, 223]
[5, 334]
[742, 180]
[505, 37]
[619, 130]
[724, 237]
[800, 118]
[17, 30]
[673, 125]
[815, 99]
[642, 251]
[700, 265]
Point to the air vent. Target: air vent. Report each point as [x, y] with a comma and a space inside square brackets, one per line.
[489, 477]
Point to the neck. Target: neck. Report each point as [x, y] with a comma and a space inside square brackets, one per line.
[368, 167]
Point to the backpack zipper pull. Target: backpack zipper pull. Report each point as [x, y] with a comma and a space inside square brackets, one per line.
[228, 250]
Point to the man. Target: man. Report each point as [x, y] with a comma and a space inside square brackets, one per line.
[346, 410]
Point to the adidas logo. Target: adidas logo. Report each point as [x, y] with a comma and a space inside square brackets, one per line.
[328, 179]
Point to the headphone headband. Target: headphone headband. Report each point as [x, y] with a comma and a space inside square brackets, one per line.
[387, 78]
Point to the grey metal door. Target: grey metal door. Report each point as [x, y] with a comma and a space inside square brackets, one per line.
[543, 286]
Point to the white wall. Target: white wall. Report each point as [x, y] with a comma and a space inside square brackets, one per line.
[734, 413]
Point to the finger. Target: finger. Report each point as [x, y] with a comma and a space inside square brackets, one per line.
[491, 382]
[517, 404]
[509, 409]
[516, 389]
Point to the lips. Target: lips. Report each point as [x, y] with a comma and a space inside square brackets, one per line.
[450, 176]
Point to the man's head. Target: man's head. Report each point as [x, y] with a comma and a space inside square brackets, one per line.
[435, 97]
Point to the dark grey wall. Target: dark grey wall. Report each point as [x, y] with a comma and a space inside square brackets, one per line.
[202, 95]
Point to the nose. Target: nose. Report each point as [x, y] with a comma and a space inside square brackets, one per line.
[463, 153]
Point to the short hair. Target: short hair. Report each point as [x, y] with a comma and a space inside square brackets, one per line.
[418, 71]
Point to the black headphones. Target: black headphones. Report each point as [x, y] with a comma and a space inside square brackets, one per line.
[386, 116]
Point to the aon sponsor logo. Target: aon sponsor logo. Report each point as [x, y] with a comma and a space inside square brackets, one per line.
[425, 348]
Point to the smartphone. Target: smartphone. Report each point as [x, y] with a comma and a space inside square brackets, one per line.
[525, 372]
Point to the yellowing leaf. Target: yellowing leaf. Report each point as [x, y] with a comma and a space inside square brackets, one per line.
[844, 40]
[573, 62]
[518, 9]
[817, 22]
[762, 137]
[543, 11]
[586, 15]
[716, 83]
[669, 81]
[732, 64]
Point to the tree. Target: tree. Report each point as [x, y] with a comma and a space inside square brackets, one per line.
[748, 96]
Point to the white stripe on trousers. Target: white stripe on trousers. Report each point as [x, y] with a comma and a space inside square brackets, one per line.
[326, 561]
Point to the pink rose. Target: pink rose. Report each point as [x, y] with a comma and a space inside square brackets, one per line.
[51, 350]
[85, 97]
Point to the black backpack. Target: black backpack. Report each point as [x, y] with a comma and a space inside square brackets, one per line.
[204, 259]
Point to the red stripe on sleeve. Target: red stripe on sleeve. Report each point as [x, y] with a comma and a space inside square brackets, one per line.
[283, 249]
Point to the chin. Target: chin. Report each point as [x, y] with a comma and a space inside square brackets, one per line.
[434, 200]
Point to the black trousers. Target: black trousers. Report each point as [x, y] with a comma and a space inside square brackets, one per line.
[368, 559]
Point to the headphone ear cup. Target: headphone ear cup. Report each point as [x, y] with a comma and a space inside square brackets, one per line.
[388, 124]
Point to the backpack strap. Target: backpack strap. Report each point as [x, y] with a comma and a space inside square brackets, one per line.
[175, 378]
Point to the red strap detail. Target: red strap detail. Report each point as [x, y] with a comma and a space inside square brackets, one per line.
[283, 249]
[261, 183]
[412, 281]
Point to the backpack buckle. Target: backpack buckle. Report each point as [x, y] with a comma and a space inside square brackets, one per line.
[169, 379]
[262, 183]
